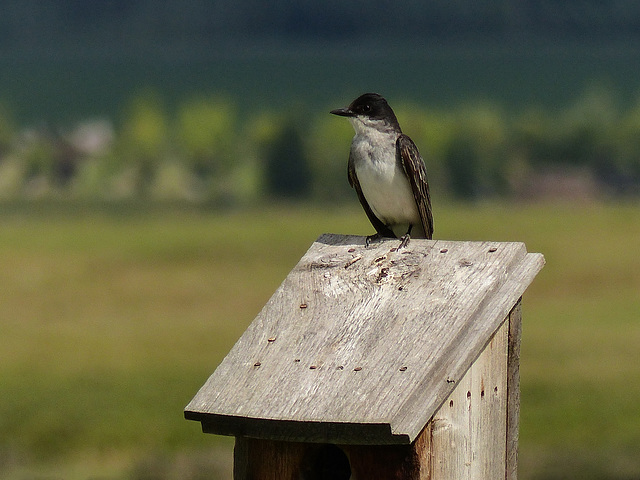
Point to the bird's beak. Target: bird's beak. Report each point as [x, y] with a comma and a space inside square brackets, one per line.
[344, 112]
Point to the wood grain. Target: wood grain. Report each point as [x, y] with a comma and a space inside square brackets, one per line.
[513, 391]
[363, 345]
[470, 427]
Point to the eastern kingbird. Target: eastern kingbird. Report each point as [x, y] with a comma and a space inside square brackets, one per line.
[387, 171]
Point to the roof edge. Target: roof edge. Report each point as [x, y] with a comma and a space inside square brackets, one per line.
[341, 433]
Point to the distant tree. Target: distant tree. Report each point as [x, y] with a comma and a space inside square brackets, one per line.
[145, 137]
[476, 159]
[462, 165]
[287, 171]
[7, 131]
[206, 133]
[328, 148]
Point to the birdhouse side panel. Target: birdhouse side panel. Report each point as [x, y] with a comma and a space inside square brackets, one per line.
[465, 428]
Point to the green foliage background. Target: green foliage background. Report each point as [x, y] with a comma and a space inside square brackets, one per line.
[207, 151]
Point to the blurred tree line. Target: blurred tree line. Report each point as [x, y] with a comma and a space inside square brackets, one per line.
[202, 151]
[148, 21]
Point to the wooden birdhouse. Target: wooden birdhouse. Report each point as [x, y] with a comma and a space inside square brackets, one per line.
[378, 363]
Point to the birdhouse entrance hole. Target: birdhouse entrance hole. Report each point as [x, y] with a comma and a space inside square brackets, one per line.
[326, 461]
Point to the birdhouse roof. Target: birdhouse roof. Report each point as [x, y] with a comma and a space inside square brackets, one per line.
[362, 344]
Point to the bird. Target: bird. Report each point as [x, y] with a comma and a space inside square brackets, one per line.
[387, 172]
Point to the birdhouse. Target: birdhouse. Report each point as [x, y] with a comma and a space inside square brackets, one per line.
[379, 363]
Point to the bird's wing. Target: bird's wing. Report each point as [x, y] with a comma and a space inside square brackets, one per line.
[416, 172]
[378, 224]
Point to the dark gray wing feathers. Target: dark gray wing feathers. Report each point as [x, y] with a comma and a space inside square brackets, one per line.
[416, 172]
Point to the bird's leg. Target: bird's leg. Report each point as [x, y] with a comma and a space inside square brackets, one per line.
[372, 238]
[404, 240]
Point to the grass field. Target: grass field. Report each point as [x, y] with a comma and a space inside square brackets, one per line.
[112, 318]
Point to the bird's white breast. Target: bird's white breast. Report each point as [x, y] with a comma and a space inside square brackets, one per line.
[383, 182]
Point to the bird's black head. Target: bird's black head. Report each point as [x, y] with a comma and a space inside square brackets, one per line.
[371, 106]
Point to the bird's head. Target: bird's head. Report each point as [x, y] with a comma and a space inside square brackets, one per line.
[370, 110]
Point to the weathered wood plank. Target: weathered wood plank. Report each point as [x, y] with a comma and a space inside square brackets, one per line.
[513, 391]
[258, 459]
[362, 345]
[465, 428]
[392, 462]
[267, 459]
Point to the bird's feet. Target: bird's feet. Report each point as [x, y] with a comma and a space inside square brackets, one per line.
[371, 238]
[404, 241]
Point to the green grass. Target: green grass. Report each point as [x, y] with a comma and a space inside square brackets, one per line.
[113, 318]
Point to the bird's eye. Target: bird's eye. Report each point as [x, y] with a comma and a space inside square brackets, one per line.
[366, 108]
